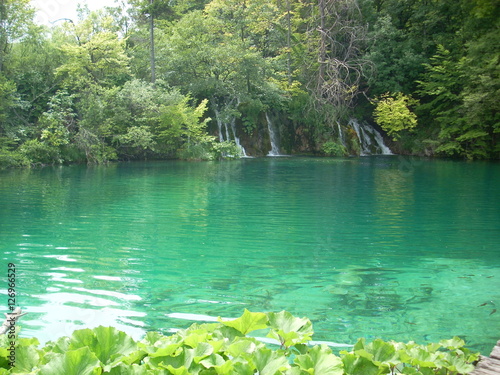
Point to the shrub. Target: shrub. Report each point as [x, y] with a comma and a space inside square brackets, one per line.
[39, 153]
[225, 348]
[333, 149]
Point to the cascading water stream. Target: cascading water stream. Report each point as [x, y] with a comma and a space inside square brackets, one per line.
[275, 151]
[221, 124]
[370, 139]
[237, 139]
[341, 135]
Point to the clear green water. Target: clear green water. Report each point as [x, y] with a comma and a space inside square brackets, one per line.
[402, 249]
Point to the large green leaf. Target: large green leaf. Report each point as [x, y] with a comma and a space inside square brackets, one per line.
[288, 329]
[248, 322]
[74, 362]
[80, 339]
[355, 365]
[183, 359]
[152, 338]
[134, 369]
[178, 371]
[320, 361]
[195, 338]
[112, 343]
[202, 351]
[27, 358]
[454, 343]
[219, 364]
[383, 352]
[411, 371]
[214, 360]
[171, 350]
[61, 345]
[460, 366]
[268, 362]
[107, 343]
[421, 357]
[244, 345]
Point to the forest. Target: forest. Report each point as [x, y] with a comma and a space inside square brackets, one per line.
[204, 80]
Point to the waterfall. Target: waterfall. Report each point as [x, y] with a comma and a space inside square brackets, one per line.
[219, 125]
[370, 139]
[341, 136]
[275, 151]
[222, 124]
[237, 139]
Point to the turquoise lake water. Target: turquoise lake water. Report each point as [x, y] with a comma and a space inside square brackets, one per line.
[390, 247]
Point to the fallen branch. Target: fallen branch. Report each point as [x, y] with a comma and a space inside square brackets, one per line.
[10, 320]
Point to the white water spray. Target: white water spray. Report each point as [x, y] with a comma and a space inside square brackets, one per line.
[237, 139]
[275, 151]
[222, 124]
[341, 136]
[370, 139]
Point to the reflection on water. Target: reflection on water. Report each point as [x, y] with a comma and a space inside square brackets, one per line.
[361, 246]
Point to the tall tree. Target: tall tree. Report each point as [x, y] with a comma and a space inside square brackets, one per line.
[15, 19]
[147, 12]
[339, 67]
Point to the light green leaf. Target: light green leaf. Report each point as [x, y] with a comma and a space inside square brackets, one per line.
[383, 352]
[74, 362]
[355, 365]
[239, 346]
[183, 359]
[421, 357]
[268, 362]
[151, 338]
[248, 322]
[202, 351]
[170, 350]
[320, 361]
[411, 371]
[460, 366]
[81, 338]
[27, 358]
[134, 369]
[112, 343]
[288, 329]
[242, 366]
[194, 339]
[212, 360]
[178, 371]
[221, 366]
[454, 343]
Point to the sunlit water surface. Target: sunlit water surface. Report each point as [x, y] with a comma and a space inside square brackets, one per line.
[389, 247]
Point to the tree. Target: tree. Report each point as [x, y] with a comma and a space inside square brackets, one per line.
[211, 62]
[32, 66]
[97, 56]
[152, 10]
[7, 98]
[15, 18]
[337, 75]
[441, 88]
[394, 115]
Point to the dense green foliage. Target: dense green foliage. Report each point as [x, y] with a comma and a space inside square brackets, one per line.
[96, 90]
[226, 348]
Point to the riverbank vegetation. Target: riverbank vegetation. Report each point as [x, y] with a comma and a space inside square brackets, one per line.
[200, 79]
[226, 348]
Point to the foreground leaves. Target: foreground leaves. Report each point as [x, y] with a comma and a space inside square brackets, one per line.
[223, 348]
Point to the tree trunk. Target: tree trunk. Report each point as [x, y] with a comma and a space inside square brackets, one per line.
[322, 45]
[152, 43]
[3, 32]
[288, 42]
